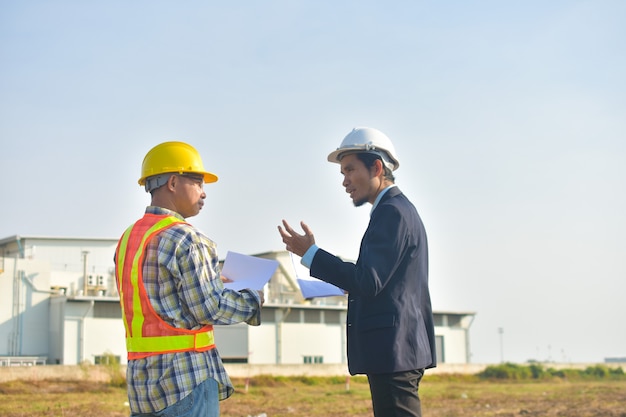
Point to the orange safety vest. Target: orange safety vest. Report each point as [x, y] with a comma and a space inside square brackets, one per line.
[146, 333]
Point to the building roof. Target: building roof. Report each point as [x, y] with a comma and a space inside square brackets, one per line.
[16, 238]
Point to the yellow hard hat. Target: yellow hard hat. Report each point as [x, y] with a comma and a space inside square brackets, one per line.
[173, 157]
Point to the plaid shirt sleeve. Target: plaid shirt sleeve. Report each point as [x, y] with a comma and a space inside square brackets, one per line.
[200, 286]
[193, 264]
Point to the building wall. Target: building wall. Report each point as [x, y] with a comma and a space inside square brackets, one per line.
[232, 341]
[454, 344]
[104, 337]
[24, 285]
[47, 313]
[276, 342]
[86, 337]
[312, 340]
[262, 345]
[70, 260]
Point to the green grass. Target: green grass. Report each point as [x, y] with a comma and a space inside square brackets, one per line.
[442, 396]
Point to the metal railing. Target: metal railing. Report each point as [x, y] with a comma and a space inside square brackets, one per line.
[22, 360]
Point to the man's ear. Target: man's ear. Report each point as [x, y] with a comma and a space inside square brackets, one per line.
[171, 182]
[378, 168]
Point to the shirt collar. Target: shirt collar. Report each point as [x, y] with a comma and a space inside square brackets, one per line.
[380, 195]
[163, 211]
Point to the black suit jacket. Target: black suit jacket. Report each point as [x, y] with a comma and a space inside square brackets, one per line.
[390, 323]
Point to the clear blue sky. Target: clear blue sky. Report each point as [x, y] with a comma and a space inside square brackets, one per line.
[508, 119]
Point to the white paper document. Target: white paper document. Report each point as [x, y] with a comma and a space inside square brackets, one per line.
[247, 271]
[311, 286]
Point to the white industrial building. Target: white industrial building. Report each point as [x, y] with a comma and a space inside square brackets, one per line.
[60, 306]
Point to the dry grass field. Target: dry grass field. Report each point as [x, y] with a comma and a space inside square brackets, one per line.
[442, 396]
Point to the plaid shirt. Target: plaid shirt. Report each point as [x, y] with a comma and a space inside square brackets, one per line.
[182, 278]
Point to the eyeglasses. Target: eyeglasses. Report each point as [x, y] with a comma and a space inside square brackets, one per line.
[195, 178]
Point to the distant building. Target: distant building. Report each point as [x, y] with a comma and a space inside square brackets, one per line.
[61, 306]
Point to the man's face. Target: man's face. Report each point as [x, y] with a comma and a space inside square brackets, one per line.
[190, 195]
[358, 181]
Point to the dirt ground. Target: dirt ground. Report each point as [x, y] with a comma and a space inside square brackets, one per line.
[298, 399]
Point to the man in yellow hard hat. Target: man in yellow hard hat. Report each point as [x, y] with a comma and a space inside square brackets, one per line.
[390, 329]
[171, 293]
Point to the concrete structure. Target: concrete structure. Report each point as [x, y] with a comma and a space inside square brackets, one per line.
[60, 306]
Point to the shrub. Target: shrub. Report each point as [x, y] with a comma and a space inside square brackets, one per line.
[506, 371]
[536, 371]
[113, 368]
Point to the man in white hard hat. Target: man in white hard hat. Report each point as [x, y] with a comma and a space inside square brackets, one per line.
[390, 326]
[171, 293]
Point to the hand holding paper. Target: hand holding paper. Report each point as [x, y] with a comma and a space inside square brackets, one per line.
[247, 272]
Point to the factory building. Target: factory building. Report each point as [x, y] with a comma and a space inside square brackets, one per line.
[60, 306]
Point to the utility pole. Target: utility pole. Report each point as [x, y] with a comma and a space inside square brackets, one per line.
[85, 253]
[501, 333]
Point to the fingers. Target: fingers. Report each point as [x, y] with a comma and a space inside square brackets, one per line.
[288, 233]
[288, 228]
[292, 233]
[284, 233]
[307, 229]
[295, 242]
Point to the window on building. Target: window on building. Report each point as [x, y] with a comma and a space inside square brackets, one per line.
[439, 346]
[332, 317]
[235, 360]
[313, 359]
[107, 310]
[312, 316]
[267, 315]
[454, 320]
[293, 316]
[438, 319]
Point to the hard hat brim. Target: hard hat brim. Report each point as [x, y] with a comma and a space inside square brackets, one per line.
[209, 177]
[336, 155]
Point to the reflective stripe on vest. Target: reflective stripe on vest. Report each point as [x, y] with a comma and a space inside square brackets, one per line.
[146, 333]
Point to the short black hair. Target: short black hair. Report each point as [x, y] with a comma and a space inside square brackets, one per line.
[369, 158]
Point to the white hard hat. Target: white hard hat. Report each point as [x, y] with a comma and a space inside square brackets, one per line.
[367, 140]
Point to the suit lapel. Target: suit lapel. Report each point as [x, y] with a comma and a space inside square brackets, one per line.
[392, 192]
